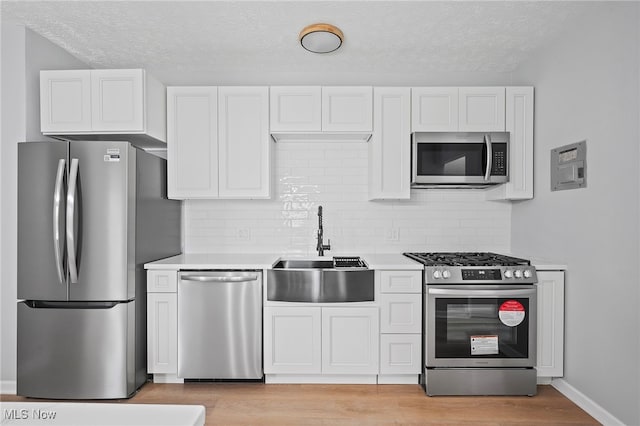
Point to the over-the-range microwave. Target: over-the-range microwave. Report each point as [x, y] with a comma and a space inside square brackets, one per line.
[459, 160]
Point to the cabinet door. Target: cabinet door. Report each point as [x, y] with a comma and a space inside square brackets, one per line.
[117, 99]
[400, 313]
[295, 108]
[244, 142]
[350, 340]
[519, 124]
[162, 333]
[389, 148]
[550, 347]
[348, 108]
[65, 101]
[292, 340]
[481, 109]
[434, 109]
[400, 354]
[192, 142]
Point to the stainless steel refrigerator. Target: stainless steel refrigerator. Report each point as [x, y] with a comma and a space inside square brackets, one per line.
[90, 214]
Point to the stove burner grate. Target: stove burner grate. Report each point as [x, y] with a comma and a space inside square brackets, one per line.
[466, 259]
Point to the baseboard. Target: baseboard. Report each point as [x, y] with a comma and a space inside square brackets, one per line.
[364, 379]
[8, 387]
[586, 403]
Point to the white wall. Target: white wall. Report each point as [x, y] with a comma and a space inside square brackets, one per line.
[335, 175]
[587, 87]
[24, 53]
[12, 113]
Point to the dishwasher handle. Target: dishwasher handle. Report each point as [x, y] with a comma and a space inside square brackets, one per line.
[210, 279]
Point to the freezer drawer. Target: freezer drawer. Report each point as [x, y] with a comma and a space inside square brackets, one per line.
[220, 325]
[76, 353]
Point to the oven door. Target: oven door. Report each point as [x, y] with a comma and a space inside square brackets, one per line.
[480, 326]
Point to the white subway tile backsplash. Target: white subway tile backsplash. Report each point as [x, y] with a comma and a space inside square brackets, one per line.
[335, 175]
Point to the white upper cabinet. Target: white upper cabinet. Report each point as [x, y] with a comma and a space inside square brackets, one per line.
[434, 109]
[295, 108]
[65, 101]
[192, 142]
[389, 148]
[244, 143]
[307, 113]
[347, 108]
[91, 102]
[453, 109]
[519, 124]
[219, 145]
[481, 109]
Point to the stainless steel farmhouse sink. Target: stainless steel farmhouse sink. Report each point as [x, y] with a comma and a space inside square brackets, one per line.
[320, 281]
[303, 264]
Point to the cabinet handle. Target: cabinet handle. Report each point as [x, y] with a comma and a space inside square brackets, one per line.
[205, 279]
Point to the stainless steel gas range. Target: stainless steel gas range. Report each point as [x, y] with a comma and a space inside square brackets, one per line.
[479, 324]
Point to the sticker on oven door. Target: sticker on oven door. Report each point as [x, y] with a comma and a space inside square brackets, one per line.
[484, 345]
[511, 313]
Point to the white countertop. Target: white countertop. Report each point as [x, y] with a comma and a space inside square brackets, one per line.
[266, 261]
[543, 264]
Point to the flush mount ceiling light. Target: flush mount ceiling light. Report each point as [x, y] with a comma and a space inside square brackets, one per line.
[321, 38]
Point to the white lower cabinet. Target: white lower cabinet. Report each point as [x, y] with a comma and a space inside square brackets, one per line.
[162, 336]
[292, 339]
[400, 325]
[550, 345]
[162, 326]
[350, 340]
[314, 343]
[400, 354]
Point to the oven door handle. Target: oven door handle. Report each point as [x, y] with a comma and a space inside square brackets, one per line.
[483, 293]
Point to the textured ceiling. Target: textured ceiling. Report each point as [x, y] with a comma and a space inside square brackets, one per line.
[185, 42]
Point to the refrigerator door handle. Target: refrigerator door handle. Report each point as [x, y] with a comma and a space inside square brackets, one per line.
[71, 237]
[57, 201]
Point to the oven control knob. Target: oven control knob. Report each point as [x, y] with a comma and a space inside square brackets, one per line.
[508, 273]
[518, 273]
[527, 273]
[446, 274]
[437, 274]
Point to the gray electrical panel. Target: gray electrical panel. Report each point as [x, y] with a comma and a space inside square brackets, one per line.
[569, 166]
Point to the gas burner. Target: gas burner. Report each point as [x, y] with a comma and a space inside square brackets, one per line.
[466, 259]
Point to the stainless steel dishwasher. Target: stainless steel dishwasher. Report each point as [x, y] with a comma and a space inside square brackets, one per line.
[220, 325]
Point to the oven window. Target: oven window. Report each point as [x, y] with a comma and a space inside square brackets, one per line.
[474, 327]
[451, 159]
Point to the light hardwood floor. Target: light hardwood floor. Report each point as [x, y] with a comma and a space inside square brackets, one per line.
[275, 404]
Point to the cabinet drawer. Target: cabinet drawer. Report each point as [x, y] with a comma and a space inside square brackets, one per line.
[400, 313]
[400, 354]
[401, 281]
[162, 281]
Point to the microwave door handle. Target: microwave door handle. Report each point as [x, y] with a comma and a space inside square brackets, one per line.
[487, 141]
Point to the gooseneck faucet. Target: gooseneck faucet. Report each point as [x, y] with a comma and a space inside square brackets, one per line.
[321, 247]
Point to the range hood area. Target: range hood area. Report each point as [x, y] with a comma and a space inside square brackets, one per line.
[321, 136]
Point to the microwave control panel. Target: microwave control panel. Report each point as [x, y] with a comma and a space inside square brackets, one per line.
[499, 164]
